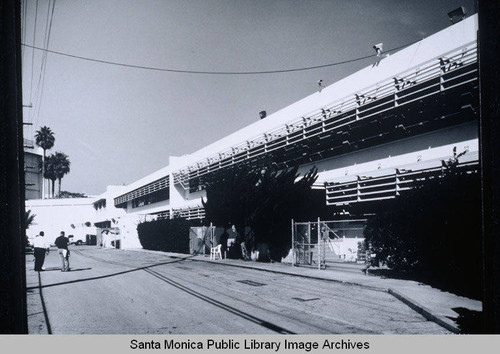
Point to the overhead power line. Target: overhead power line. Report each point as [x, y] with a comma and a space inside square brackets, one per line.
[212, 72]
[33, 54]
[43, 68]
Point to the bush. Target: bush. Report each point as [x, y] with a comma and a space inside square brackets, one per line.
[168, 235]
[433, 233]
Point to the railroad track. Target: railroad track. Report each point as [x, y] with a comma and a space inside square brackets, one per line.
[192, 292]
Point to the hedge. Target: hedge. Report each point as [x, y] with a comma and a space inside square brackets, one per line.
[433, 234]
[168, 235]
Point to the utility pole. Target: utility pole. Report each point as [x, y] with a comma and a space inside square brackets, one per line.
[13, 318]
[489, 131]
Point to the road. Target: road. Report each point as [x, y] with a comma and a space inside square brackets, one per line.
[128, 292]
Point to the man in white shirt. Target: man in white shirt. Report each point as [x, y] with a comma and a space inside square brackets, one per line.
[40, 249]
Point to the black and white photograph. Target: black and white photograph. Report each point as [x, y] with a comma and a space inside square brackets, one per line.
[237, 167]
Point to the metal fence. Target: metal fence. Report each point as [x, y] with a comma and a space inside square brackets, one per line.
[201, 239]
[317, 243]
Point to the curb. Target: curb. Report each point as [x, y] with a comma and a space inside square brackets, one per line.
[423, 311]
[343, 282]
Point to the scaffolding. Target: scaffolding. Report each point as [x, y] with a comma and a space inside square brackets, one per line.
[317, 243]
[201, 239]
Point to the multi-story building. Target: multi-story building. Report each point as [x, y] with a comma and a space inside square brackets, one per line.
[371, 134]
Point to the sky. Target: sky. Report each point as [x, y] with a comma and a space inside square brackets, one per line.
[118, 124]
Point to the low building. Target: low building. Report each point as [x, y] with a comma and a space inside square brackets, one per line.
[55, 215]
[83, 219]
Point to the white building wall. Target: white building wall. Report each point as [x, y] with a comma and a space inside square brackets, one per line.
[110, 211]
[150, 208]
[417, 54]
[431, 146]
[421, 148]
[56, 215]
[127, 225]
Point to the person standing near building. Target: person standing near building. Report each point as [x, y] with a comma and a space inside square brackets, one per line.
[104, 238]
[62, 248]
[223, 242]
[239, 239]
[41, 248]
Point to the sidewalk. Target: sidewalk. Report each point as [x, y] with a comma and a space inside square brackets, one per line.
[433, 304]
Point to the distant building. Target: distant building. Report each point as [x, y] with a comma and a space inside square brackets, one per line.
[81, 218]
[55, 215]
[33, 175]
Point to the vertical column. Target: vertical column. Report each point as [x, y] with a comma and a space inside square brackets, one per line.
[13, 318]
[176, 193]
[293, 245]
[319, 245]
[489, 130]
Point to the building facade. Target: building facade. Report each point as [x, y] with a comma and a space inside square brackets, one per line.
[371, 135]
[32, 173]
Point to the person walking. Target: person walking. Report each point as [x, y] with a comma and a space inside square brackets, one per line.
[41, 248]
[62, 248]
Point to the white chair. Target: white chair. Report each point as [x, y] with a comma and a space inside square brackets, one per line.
[215, 252]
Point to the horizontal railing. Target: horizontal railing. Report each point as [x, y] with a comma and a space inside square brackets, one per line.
[389, 186]
[142, 191]
[186, 213]
[190, 213]
[448, 71]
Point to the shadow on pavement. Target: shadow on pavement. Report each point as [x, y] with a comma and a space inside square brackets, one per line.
[77, 269]
[441, 283]
[469, 322]
[51, 269]
[98, 277]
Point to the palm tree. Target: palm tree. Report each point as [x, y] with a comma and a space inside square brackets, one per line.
[45, 139]
[50, 171]
[28, 218]
[61, 167]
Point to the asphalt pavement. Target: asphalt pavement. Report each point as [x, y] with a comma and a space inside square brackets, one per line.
[433, 304]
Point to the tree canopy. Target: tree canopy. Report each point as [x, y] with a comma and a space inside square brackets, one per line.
[263, 198]
[56, 167]
[44, 138]
[67, 194]
[61, 167]
[48, 168]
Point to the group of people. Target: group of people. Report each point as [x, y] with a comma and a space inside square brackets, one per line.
[238, 239]
[42, 248]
